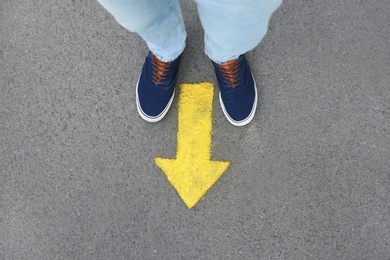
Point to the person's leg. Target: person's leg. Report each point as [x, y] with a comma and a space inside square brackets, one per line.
[234, 27]
[231, 29]
[158, 22]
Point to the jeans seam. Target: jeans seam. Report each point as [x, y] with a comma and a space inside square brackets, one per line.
[177, 19]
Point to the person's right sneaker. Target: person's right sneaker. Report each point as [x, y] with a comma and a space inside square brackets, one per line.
[237, 90]
[156, 87]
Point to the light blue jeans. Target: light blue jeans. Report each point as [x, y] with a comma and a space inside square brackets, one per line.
[232, 27]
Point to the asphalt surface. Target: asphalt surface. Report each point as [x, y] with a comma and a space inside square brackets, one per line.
[309, 177]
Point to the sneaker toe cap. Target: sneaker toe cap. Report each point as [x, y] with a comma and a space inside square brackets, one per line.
[154, 104]
[240, 111]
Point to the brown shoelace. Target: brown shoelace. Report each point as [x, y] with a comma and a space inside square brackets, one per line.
[230, 71]
[160, 70]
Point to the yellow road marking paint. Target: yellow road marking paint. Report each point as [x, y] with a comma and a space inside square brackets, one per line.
[192, 173]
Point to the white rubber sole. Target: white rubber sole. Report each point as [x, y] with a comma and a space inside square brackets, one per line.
[152, 119]
[246, 120]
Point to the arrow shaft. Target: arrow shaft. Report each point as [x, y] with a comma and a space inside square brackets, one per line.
[195, 123]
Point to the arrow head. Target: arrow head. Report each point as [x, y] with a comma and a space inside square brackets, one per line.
[192, 179]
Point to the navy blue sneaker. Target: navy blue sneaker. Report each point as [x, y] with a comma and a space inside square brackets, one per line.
[237, 90]
[156, 87]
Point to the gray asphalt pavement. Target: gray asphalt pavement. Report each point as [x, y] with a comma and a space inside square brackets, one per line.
[309, 177]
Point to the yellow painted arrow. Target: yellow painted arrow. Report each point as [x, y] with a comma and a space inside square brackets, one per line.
[192, 173]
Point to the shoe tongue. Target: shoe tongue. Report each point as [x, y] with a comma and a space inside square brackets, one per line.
[230, 72]
[231, 64]
[160, 70]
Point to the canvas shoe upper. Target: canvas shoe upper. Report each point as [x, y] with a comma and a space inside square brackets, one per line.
[156, 87]
[237, 90]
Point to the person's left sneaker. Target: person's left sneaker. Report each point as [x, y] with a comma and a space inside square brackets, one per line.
[156, 87]
[237, 90]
